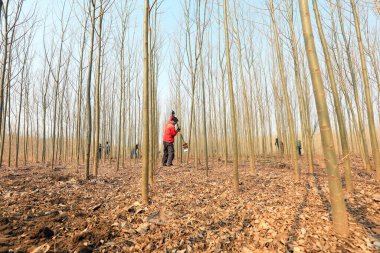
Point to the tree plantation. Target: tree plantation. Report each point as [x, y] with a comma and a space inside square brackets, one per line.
[189, 126]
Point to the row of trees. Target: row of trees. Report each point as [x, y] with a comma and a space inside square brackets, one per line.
[251, 70]
[238, 75]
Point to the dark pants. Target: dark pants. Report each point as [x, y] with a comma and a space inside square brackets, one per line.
[168, 157]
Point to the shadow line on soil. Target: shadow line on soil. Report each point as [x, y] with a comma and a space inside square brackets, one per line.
[358, 213]
[297, 220]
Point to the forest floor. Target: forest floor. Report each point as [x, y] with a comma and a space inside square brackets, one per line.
[45, 210]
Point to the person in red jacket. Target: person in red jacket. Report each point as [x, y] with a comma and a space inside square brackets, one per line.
[169, 133]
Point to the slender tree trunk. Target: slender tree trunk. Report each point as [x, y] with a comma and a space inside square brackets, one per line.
[232, 101]
[97, 93]
[370, 115]
[92, 8]
[5, 48]
[145, 145]
[204, 122]
[18, 127]
[338, 109]
[301, 98]
[79, 97]
[292, 144]
[355, 88]
[339, 214]
[247, 118]
[56, 91]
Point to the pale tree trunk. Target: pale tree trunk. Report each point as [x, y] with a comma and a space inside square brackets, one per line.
[232, 101]
[9, 128]
[350, 110]
[292, 144]
[355, 88]
[339, 214]
[151, 102]
[145, 145]
[4, 48]
[370, 115]
[6, 62]
[111, 121]
[37, 131]
[204, 122]
[97, 93]
[24, 79]
[92, 8]
[79, 97]
[301, 98]
[247, 118]
[223, 71]
[338, 109]
[18, 127]
[193, 68]
[44, 109]
[124, 26]
[56, 89]
[153, 41]
[26, 117]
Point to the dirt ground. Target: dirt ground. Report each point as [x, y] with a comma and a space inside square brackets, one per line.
[45, 210]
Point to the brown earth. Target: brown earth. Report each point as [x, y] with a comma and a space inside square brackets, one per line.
[45, 210]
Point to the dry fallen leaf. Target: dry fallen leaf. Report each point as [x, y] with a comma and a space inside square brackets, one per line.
[41, 249]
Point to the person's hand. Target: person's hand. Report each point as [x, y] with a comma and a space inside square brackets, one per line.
[178, 129]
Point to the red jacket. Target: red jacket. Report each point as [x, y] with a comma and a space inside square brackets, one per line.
[170, 132]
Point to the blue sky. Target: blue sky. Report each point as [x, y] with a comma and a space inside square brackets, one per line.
[170, 12]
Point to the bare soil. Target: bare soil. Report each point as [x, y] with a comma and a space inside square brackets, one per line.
[56, 210]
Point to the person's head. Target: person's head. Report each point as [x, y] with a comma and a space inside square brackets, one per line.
[174, 120]
[107, 142]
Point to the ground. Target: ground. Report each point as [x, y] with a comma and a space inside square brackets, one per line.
[46, 210]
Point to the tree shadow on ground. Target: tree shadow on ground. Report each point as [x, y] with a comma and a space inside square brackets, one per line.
[358, 212]
[322, 196]
[297, 220]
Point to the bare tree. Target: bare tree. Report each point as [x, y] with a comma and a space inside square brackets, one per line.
[339, 214]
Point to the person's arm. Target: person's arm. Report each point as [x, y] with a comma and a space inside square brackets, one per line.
[173, 131]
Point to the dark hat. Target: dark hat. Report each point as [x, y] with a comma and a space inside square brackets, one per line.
[175, 119]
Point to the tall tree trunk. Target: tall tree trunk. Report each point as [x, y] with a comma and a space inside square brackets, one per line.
[5, 48]
[338, 109]
[79, 97]
[92, 8]
[247, 118]
[292, 144]
[370, 116]
[355, 88]
[339, 214]
[204, 122]
[145, 145]
[301, 98]
[232, 101]
[97, 94]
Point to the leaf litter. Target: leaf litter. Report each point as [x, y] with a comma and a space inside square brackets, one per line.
[45, 210]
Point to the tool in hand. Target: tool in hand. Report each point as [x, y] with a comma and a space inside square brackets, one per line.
[185, 146]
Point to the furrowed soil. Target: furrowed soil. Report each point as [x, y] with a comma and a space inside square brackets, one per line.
[56, 210]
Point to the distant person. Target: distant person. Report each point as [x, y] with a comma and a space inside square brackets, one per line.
[135, 152]
[299, 147]
[107, 149]
[168, 140]
[100, 151]
[276, 144]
